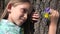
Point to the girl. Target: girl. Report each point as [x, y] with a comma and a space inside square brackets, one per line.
[15, 14]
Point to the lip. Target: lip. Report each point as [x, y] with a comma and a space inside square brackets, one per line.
[23, 20]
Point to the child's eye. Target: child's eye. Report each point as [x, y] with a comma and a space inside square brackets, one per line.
[25, 11]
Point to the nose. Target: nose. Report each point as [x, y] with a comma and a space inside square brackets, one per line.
[25, 16]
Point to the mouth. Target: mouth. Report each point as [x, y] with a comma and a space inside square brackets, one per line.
[23, 20]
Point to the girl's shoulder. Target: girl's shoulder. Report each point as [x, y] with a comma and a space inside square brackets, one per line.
[3, 21]
[7, 26]
[3, 26]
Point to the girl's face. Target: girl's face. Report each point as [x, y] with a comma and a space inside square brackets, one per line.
[19, 13]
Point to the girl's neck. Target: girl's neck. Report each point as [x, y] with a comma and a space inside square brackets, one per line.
[11, 20]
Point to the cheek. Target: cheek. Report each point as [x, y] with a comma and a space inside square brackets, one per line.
[17, 15]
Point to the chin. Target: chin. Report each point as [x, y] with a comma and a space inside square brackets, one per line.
[20, 22]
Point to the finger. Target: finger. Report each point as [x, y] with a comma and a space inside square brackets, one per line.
[57, 13]
[35, 19]
[51, 11]
[35, 12]
[35, 16]
[53, 14]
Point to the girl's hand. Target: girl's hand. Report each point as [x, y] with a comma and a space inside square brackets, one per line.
[35, 16]
[54, 19]
[54, 16]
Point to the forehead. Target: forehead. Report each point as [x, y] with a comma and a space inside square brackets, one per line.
[23, 5]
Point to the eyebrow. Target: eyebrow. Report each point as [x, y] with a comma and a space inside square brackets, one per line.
[25, 9]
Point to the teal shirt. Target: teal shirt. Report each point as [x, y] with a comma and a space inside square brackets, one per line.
[7, 27]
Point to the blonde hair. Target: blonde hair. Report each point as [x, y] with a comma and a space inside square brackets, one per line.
[12, 2]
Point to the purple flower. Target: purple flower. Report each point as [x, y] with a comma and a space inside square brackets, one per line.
[47, 9]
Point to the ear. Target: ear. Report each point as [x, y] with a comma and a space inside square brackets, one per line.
[9, 7]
